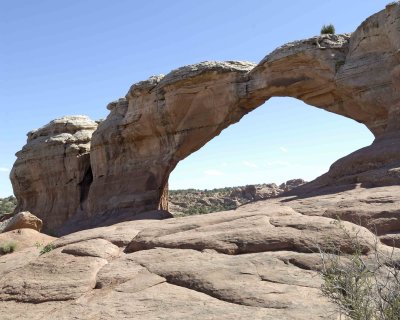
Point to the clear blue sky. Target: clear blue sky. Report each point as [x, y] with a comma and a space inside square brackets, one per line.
[73, 57]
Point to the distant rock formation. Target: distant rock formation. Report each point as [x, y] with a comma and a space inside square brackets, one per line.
[166, 118]
[192, 201]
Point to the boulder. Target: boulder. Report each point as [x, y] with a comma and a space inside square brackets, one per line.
[23, 220]
[291, 184]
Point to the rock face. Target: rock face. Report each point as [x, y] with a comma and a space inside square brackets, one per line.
[166, 118]
[52, 173]
[161, 121]
[260, 261]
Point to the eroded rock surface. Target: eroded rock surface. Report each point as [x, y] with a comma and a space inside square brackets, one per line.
[22, 220]
[25, 238]
[52, 173]
[161, 121]
[260, 261]
[164, 119]
[377, 209]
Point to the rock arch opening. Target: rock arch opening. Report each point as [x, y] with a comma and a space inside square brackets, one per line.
[281, 140]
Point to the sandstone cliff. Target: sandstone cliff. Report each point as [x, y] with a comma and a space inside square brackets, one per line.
[166, 118]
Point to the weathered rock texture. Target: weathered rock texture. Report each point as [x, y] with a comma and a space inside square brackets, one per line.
[260, 261]
[23, 239]
[52, 174]
[161, 121]
[166, 118]
[22, 220]
[377, 209]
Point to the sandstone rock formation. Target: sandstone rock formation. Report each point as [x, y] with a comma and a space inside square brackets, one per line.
[260, 261]
[166, 118]
[292, 184]
[22, 220]
[23, 239]
[161, 121]
[52, 173]
[377, 209]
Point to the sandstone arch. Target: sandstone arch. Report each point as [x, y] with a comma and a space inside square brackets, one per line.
[165, 118]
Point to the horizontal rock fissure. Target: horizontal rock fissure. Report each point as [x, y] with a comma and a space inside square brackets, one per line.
[216, 296]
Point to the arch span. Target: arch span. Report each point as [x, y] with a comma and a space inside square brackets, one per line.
[164, 119]
[281, 140]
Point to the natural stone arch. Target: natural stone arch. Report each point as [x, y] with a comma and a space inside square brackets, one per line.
[280, 140]
[165, 118]
[168, 118]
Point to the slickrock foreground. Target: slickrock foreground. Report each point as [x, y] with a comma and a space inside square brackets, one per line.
[257, 262]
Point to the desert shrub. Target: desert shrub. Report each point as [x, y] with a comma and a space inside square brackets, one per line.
[44, 248]
[363, 288]
[7, 205]
[328, 29]
[7, 247]
[204, 209]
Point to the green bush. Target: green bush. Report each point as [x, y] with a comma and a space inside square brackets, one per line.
[7, 205]
[328, 29]
[362, 287]
[7, 247]
[44, 248]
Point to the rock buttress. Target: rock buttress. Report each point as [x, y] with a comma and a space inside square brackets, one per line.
[49, 176]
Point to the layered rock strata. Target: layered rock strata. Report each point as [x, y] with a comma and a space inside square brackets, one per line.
[260, 261]
[52, 174]
[166, 118]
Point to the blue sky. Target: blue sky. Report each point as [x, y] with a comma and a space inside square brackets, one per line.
[73, 57]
